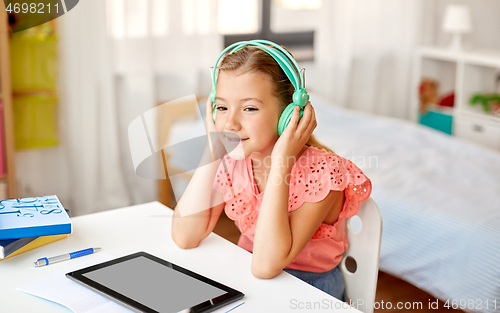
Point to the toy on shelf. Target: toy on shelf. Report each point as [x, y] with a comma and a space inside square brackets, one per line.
[447, 100]
[429, 96]
[490, 103]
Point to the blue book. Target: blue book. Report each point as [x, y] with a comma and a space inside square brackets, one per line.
[33, 217]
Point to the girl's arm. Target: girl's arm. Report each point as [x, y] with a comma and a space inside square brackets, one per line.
[190, 229]
[280, 236]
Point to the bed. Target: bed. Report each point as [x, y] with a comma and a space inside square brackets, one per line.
[439, 197]
[440, 201]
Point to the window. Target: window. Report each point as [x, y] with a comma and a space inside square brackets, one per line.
[238, 17]
[136, 18]
[287, 22]
[142, 19]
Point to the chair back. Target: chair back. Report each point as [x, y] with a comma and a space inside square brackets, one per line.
[176, 112]
[359, 265]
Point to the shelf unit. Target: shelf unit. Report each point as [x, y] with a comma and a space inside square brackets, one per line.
[6, 97]
[465, 72]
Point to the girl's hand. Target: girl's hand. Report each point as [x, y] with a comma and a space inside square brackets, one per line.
[216, 147]
[295, 135]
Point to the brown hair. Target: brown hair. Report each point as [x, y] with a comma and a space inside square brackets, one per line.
[253, 59]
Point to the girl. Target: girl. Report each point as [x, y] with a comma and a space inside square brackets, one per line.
[288, 194]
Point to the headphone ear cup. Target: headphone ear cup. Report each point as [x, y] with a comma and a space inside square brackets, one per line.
[286, 116]
[301, 97]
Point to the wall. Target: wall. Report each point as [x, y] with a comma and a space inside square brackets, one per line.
[485, 15]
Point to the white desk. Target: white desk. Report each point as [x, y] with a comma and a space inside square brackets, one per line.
[146, 227]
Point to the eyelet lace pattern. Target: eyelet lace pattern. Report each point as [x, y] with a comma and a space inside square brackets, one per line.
[312, 177]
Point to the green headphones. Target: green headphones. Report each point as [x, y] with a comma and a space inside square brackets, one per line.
[300, 96]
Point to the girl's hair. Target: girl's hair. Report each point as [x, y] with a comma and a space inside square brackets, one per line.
[253, 59]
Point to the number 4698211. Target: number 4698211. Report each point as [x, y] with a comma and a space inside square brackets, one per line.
[471, 304]
[30, 8]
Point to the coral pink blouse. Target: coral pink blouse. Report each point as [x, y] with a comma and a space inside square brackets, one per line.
[314, 174]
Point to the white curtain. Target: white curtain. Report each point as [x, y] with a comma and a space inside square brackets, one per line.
[363, 53]
[118, 59]
[162, 51]
[89, 120]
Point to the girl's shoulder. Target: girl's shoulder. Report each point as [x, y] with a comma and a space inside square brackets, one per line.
[319, 162]
[318, 171]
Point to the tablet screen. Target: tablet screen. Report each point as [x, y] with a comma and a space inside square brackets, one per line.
[167, 290]
[154, 283]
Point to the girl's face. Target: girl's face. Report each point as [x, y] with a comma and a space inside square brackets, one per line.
[247, 113]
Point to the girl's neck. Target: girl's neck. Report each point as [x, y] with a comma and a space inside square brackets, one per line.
[260, 167]
[262, 160]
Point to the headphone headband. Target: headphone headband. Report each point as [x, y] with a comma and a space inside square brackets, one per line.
[292, 70]
[290, 57]
[287, 64]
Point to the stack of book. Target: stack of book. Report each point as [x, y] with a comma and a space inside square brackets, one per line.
[29, 223]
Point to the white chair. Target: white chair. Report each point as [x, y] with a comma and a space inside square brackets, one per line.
[359, 265]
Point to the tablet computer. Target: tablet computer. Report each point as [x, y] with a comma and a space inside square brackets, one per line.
[145, 283]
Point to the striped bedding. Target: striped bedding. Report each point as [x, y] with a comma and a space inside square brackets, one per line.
[440, 202]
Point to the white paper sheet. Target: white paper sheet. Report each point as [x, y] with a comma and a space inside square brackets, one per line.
[79, 299]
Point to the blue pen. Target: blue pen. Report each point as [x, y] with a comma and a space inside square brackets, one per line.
[64, 257]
